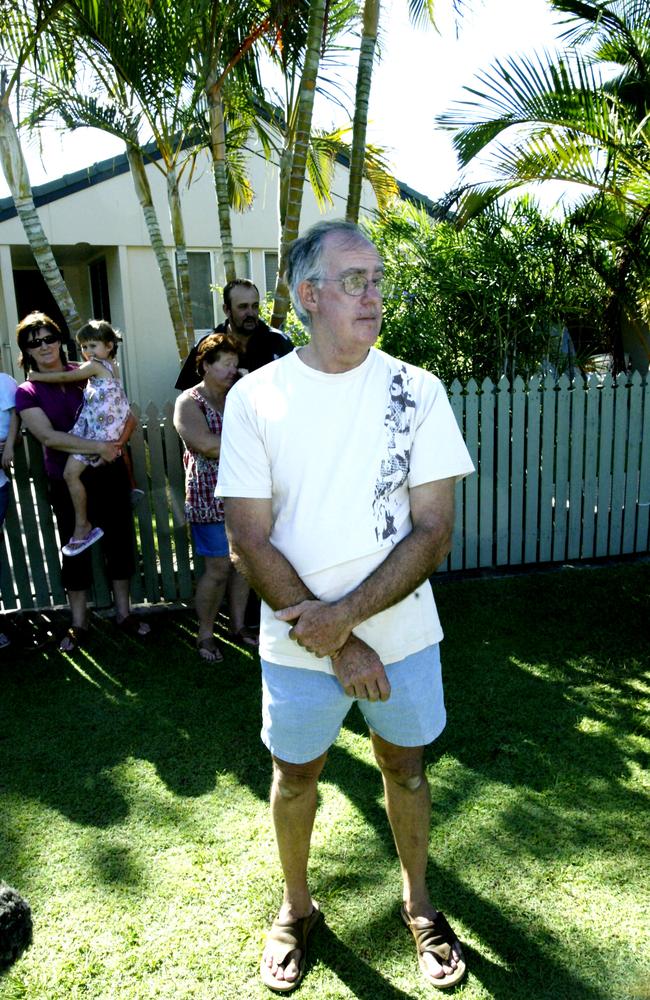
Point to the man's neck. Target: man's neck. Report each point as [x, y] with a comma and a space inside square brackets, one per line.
[240, 336]
[328, 361]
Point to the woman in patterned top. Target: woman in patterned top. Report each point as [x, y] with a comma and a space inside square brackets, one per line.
[198, 417]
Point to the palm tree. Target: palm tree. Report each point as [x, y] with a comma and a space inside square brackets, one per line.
[568, 120]
[23, 28]
[225, 37]
[370, 29]
[117, 86]
[421, 13]
[291, 197]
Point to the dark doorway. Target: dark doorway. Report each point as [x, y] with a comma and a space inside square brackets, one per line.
[32, 294]
[99, 289]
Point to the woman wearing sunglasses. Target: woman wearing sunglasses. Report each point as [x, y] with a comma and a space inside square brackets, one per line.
[48, 411]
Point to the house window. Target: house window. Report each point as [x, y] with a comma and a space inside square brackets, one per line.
[99, 289]
[242, 266]
[200, 291]
[270, 272]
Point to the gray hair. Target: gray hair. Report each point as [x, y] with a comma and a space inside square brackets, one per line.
[305, 257]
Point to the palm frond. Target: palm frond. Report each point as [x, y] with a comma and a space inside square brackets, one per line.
[74, 111]
[240, 190]
[526, 92]
[422, 13]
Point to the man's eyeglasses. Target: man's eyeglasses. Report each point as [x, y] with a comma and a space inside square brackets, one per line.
[357, 284]
[39, 341]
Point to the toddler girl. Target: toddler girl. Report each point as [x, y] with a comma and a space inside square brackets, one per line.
[102, 417]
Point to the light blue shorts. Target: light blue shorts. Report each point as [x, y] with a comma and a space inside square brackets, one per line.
[303, 710]
[210, 539]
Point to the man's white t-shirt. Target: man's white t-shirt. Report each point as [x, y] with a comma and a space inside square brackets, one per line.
[8, 388]
[337, 455]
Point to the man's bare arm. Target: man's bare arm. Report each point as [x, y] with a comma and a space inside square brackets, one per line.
[248, 522]
[322, 628]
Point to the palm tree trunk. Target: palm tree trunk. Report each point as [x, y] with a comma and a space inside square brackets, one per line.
[218, 149]
[178, 232]
[299, 161]
[17, 177]
[364, 80]
[143, 191]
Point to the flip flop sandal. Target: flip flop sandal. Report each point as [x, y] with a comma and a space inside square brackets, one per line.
[131, 626]
[77, 637]
[211, 646]
[244, 638]
[77, 545]
[282, 939]
[437, 938]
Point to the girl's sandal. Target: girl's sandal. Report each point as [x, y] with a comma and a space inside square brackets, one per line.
[209, 650]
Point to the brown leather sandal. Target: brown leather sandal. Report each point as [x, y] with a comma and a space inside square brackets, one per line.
[437, 938]
[282, 939]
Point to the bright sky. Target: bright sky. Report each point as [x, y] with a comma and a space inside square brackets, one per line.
[420, 74]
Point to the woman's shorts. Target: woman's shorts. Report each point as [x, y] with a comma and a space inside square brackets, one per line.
[210, 539]
[303, 710]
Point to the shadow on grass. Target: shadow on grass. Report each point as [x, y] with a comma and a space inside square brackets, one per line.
[526, 659]
[66, 721]
[363, 981]
[527, 968]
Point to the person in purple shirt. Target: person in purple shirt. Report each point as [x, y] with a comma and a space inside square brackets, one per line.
[48, 411]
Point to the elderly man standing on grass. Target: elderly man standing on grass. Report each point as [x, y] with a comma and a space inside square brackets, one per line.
[340, 511]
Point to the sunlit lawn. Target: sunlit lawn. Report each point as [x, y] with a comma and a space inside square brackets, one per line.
[133, 811]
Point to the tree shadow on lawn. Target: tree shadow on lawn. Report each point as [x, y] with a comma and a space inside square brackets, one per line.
[532, 963]
[65, 722]
[514, 699]
[551, 706]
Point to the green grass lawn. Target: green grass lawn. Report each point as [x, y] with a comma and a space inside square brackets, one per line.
[133, 810]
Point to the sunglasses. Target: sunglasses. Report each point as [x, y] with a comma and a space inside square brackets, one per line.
[39, 341]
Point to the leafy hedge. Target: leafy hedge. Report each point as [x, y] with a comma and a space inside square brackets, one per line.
[492, 298]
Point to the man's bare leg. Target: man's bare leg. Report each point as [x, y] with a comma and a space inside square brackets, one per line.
[294, 794]
[408, 805]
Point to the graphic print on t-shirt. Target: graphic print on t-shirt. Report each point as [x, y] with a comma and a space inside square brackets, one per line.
[394, 469]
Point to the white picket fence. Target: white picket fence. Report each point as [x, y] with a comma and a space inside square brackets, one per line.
[563, 471]
[563, 474]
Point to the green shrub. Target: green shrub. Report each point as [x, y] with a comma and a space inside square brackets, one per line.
[493, 298]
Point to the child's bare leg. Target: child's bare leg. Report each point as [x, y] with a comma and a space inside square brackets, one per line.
[128, 461]
[72, 475]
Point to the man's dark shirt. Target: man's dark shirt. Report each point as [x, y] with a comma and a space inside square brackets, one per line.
[264, 345]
